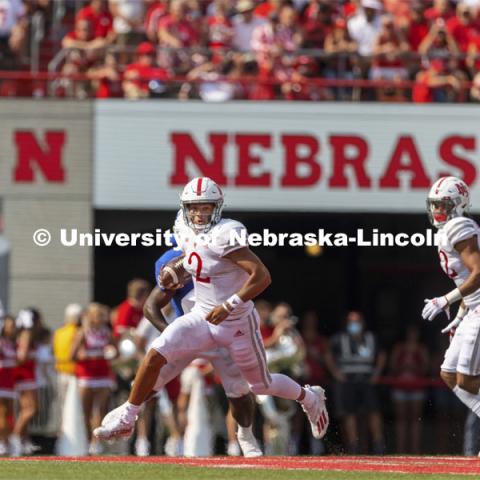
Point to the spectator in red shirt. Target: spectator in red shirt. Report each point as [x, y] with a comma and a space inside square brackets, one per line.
[473, 57]
[264, 310]
[276, 324]
[85, 52]
[83, 38]
[130, 312]
[338, 40]
[441, 9]
[415, 28]
[349, 8]
[316, 345]
[270, 7]
[106, 78]
[317, 23]
[156, 10]
[175, 30]
[220, 28]
[293, 74]
[462, 26]
[435, 84]
[264, 89]
[398, 8]
[389, 52]
[141, 75]
[98, 14]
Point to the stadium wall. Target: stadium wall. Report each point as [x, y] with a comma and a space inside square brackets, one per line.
[61, 160]
[46, 182]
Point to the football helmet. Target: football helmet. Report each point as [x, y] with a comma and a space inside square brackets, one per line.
[448, 198]
[202, 190]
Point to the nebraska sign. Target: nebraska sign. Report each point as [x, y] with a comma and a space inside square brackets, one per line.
[45, 155]
[405, 157]
[277, 156]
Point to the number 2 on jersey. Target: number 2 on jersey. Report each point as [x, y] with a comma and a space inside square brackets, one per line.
[198, 273]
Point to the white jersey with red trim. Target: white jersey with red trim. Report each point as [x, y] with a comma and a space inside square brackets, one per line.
[454, 231]
[215, 278]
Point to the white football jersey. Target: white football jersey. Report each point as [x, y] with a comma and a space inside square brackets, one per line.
[454, 231]
[215, 278]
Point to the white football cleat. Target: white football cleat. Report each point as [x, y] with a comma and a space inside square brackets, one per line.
[142, 447]
[233, 449]
[116, 424]
[95, 448]
[317, 413]
[248, 444]
[3, 448]
[29, 448]
[16, 446]
[174, 447]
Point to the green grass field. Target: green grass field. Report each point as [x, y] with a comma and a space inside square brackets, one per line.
[34, 470]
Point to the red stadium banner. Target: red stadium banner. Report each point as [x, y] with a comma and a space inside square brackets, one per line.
[283, 156]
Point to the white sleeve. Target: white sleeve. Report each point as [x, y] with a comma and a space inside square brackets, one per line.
[230, 237]
[142, 329]
[187, 378]
[459, 229]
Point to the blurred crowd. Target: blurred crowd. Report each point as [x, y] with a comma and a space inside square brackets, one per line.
[219, 50]
[91, 360]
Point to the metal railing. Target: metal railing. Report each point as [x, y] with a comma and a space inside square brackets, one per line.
[46, 82]
[36, 37]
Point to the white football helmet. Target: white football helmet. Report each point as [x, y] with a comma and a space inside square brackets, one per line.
[449, 197]
[202, 190]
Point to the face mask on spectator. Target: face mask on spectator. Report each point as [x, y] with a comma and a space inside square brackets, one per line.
[354, 328]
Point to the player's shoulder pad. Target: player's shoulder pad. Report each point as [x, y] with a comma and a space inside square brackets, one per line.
[227, 224]
[460, 228]
[229, 235]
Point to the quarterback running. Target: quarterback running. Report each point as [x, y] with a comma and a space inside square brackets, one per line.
[227, 275]
[448, 205]
[241, 401]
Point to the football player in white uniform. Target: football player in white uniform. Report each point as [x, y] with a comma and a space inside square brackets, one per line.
[241, 401]
[227, 276]
[448, 204]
